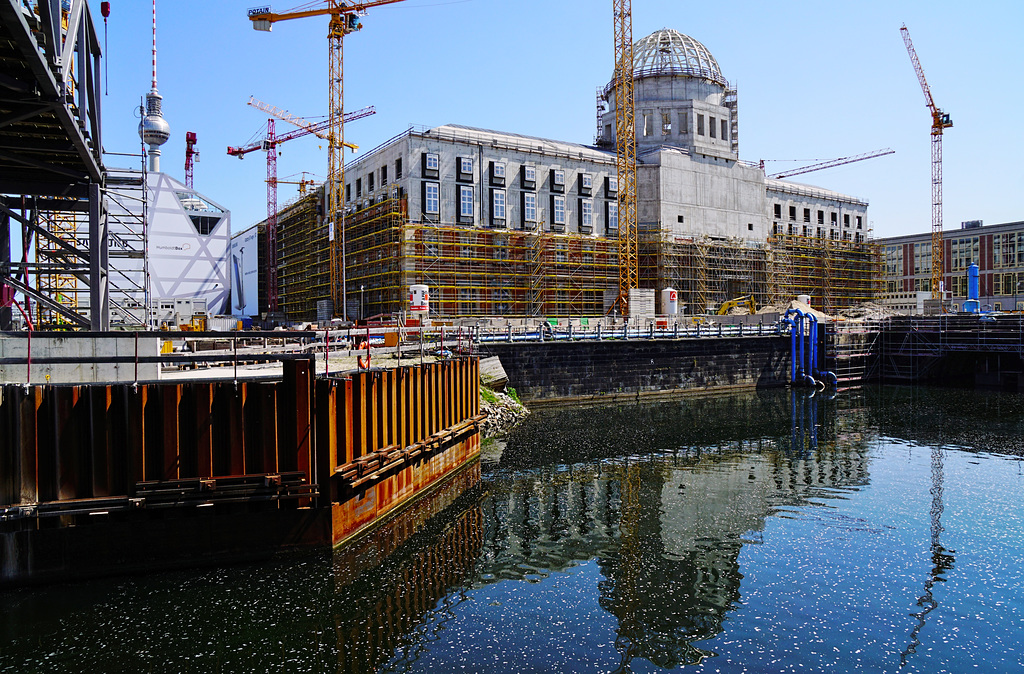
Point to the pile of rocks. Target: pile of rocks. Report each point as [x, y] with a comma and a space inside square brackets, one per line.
[502, 415]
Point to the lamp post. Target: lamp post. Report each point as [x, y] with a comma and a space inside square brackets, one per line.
[361, 289]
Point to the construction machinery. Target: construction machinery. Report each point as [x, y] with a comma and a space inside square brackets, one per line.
[625, 153]
[269, 145]
[830, 163]
[344, 19]
[191, 156]
[744, 301]
[940, 121]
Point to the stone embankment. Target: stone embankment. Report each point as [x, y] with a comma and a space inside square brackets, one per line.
[503, 413]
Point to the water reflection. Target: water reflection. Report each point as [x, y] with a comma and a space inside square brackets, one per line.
[629, 538]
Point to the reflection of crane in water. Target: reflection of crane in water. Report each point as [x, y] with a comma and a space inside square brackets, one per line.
[941, 561]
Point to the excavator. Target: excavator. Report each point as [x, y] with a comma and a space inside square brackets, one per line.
[743, 301]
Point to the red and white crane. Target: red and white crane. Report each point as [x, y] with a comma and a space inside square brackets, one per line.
[269, 145]
[191, 156]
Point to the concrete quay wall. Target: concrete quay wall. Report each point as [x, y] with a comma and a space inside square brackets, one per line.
[570, 370]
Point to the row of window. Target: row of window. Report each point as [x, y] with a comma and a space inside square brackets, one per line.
[530, 213]
[497, 173]
[821, 216]
[857, 237]
[372, 180]
[716, 127]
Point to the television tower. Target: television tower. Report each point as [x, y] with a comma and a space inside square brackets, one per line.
[153, 128]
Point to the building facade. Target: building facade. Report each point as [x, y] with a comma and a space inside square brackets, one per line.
[998, 250]
[503, 224]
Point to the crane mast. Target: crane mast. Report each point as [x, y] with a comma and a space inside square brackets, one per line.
[625, 152]
[344, 19]
[940, 121]
[191, 156]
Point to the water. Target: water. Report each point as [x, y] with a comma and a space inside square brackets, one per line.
[882, 531]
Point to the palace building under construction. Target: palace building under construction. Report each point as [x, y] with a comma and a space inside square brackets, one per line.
[502, 224]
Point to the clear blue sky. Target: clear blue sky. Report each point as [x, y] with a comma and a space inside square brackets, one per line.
[817, 80]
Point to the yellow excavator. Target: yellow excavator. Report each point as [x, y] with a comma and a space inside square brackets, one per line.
[744, 301]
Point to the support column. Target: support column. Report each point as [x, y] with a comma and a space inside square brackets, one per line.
[5, 266]
[99, 306]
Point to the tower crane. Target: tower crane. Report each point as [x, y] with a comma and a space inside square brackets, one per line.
[269, 144]
[940, 121]
[822, 165]
[191, 156]
[344, 19]
[625, 152]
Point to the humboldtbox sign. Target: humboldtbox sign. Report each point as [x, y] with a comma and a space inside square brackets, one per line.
[244, 270]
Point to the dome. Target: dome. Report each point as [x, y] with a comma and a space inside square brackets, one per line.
[669, 52]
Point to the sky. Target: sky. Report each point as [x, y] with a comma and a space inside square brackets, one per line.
[816, 80]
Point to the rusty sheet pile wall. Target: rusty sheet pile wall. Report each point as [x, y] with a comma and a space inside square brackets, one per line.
[325, 458]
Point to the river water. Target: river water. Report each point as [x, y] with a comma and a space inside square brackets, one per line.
[878, 531]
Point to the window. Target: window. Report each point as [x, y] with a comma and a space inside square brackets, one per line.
[204, 224]
[557, 209]
[894, 260]
[821, 217]
[348, 192]
[586, 215]
[611, 185]
[666, 124]
[923, 258]
[530, 175]
[725, 130]
[612, 215]
[778, 211]
[431, 198]
[359, 187]
[700, 125]
[586, 184]
[498, 205]
[860, 224]
[398, 169]
[683, 128]
[750, 226]
[431, 164]
[383, 175]
[529, 207]
[963, 252]
[680, 219]
[835, 219]
[807, 215]
[648, 124]
[465, 203]
[497, 173]
[846, 219]
[557, 180]
[369, 182]
[792, 212]
[711, 126]
[465, 165]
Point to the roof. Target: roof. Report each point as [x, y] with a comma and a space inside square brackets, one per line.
[669, 52]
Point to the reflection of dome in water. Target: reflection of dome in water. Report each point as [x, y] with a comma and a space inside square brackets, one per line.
[669, 52]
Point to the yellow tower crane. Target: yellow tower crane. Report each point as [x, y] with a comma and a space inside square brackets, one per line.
[625, 152]
[940, 121]
[344, 20]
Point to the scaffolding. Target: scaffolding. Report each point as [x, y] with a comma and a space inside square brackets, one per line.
[836, 273]
[705, 271]
[478, 271]
[304, 272]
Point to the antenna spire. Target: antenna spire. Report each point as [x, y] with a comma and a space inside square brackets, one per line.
[154, 45]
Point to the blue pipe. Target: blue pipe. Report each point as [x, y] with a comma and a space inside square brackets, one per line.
[792, 348]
